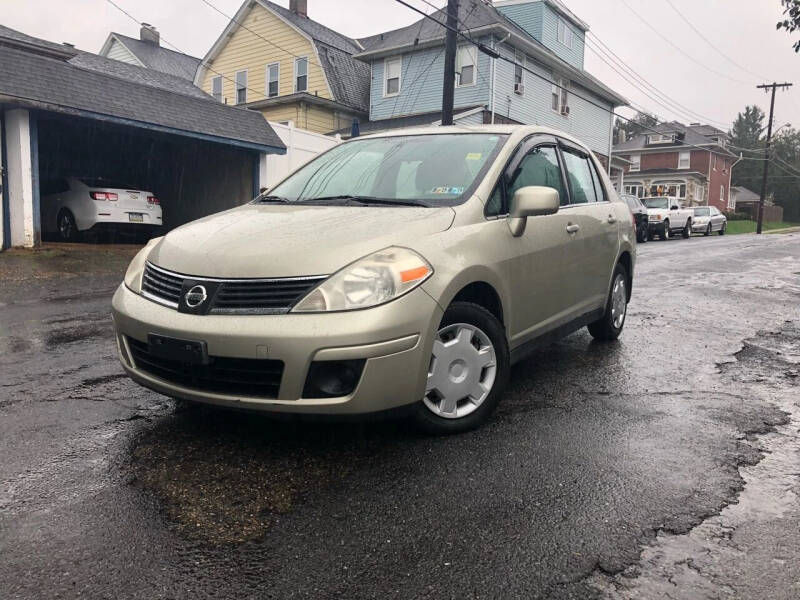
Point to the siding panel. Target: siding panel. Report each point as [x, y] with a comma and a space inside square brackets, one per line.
[118, 52]
[574, 55]
[528, 16]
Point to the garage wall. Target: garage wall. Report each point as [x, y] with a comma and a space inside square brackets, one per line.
[192, 178]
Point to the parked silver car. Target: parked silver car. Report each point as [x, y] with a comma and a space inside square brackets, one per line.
[708, 219]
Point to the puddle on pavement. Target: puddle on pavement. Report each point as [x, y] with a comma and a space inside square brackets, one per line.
[738, 549]
[226, 477]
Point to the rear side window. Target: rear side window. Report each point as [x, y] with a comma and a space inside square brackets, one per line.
[54, 186]
[579, 175]
[539, 167]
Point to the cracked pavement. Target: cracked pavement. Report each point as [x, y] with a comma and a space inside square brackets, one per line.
[662, 466]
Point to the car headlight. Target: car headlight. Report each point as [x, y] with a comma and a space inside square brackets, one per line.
[133, 276]
[375, 279]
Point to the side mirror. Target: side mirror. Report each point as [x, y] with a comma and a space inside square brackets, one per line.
[674, 207]
[531, 201]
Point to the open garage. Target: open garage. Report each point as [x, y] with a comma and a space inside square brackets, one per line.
[60, 122]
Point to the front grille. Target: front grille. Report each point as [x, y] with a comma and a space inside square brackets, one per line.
[232, 296]
[163, 285]
[231, 376]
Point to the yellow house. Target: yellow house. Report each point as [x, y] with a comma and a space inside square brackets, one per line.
[288, 67]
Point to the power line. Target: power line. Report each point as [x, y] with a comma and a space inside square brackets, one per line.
[494, 54]
[679, 49]
[707, 41]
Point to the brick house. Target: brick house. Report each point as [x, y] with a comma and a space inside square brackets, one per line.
[689, 162]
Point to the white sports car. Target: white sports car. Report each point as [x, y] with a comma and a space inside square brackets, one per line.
[71, 205]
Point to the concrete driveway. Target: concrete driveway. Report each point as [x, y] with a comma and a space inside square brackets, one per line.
[662, 466]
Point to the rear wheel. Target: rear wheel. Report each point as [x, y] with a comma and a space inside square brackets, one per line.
[610, 325]
[468, 371]
[641, 234]
[687, 231]
[67, 228]
[722, 229]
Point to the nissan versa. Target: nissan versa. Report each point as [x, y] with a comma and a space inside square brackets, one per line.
[407, 269]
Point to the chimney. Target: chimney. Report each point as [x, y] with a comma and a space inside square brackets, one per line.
[299, 7]
[149, 34]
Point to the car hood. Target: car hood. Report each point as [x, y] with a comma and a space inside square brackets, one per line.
[273, 240]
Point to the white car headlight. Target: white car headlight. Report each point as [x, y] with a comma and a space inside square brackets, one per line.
[375, 279]
[133, 276]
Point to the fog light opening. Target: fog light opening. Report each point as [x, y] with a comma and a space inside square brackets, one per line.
[333, 379]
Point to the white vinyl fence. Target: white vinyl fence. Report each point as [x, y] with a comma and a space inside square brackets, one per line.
[301, 147]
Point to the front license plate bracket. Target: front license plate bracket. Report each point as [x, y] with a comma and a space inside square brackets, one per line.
[193, 352]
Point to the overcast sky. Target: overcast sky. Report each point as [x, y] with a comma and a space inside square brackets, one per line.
[744, 30]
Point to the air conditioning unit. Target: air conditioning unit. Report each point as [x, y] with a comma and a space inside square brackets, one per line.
[565, 110]
[519, 88]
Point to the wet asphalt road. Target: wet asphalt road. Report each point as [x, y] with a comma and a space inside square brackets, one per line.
[630, 470]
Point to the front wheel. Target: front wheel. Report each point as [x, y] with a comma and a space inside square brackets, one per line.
[687, 231]
[610, 325]
[708, 230]
[468, 371]
[664, 233]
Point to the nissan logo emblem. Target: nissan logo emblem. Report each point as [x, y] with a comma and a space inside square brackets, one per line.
[196, 296]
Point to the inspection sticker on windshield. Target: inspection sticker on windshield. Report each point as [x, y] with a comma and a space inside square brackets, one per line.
[447, 190]
[474, 156]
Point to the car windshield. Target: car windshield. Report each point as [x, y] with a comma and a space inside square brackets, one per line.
[428, 170]
[702, 212]
[656, 202]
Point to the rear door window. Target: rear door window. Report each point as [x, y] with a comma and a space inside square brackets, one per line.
[579, 175]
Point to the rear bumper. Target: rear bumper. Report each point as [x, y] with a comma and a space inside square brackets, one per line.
[395, 341]
[112, 217]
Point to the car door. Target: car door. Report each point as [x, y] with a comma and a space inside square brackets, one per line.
[595, 244]
[540, 262]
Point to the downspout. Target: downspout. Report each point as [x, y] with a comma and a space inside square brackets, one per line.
[610, 138]
[494, 71]
[730, 176]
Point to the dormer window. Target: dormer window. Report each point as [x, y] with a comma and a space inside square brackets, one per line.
[660, 138]
[565, 34]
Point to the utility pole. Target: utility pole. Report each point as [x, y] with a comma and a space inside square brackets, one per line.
[767, 86]
[449, 86]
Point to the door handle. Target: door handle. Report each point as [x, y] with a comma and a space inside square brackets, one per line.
[612, 219]
[573, 228]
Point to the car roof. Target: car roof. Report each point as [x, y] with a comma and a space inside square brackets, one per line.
[517, 131]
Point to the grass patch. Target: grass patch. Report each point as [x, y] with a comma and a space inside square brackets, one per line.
[735, 227]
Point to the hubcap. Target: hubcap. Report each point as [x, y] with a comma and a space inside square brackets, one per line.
[619, 302]
[462, 371]
[65, 226]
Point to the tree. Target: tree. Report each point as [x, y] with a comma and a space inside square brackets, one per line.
[791, 9]
[636, 126]
[782, 184]
[746, 134]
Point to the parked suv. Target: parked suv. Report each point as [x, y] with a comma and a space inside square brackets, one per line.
[668, 217]
[403, 270]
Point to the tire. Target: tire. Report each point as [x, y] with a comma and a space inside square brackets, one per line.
[687, 230]
[664, 233]
[708, 230]
[609, 327]
[642, 235]
[462, 319]
[66, 226]
[722, 230]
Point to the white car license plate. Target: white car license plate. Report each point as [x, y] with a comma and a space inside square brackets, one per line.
[135, 217]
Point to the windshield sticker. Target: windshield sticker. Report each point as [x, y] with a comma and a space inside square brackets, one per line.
[447, 190]
[474, 156]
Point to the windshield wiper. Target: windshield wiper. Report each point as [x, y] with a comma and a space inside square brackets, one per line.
[365, 201]
[268, 199]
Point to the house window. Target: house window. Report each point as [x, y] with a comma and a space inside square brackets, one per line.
[683, 160]
[216, 88]
[300, 74]
[559, 95]
[273, 79]
[564, 33]
[519, 59]
[715, 162]
[672, 189]
[722, 193]
[392, 68]
[636, 162]
[699, 193]
[241, 87]
[466, 63]
[634, 189]
[660, 138]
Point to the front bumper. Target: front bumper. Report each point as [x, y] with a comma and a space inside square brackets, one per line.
[395, 339]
